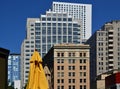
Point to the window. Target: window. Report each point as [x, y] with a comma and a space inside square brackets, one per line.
[69, 19]
[80, 54]
[59, 19]
[64, 19]
[58, 60]
[62, 54]
[71, 74]
[84, 86]
[80, 67]
[58, 54]
[71, 67]
[84, 80]
[80, 86]
[37, 24]
[84, 61]
[71, 61]
[62, 87]
[80, 80]
[58, 87]
[80, 60]
[62, 80]
[48, 19]
[84, 54]
[80, 74]
[84, 67]
[58, 67]
[58, 80]
[53, 19]
[43, 19]
[84, 73]
[62, 67]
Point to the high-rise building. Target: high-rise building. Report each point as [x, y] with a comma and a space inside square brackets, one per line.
[4, 68]
[105, 49]
[13, 68]
[69, 66]
[43, 32]
[78, 11]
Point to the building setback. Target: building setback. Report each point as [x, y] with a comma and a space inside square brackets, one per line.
[81, 12]
[105, 49]
[69, 66]
[44, 32]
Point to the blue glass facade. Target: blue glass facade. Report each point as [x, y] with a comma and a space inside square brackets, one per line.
[56, 28]
[13, 67]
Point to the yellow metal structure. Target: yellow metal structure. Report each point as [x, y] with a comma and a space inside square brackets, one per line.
[37, 78]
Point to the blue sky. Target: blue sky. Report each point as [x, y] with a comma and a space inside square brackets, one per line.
[14, 13]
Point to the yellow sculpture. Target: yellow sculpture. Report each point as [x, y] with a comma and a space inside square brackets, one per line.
[37, 78]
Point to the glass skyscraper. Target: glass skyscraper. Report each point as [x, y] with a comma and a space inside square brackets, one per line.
[13, 68]
[44, 32]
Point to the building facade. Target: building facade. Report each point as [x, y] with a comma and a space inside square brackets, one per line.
[105, 49]
[69, 66]
[13, 68]
[43, 32]
[4, 53]
[78, 11]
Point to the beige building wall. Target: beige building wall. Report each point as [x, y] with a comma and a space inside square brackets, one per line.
[71, 66]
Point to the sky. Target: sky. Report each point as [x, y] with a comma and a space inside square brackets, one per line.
[14, 13]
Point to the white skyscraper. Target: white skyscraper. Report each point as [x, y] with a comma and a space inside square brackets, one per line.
[82, 12]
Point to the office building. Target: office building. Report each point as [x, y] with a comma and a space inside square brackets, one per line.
[13, 68]
[105, 49]
[4, 68]
[69, 66]
[78, 11]
[44, 32]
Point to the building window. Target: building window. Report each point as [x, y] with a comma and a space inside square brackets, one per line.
[84, 67]
[71, 74]
[84, 80]
[71, 61]
[43, 19]
[80, 80]
[80, 86]
[84, 73]
[80, 54]
[62, 67]
[62, 54]
[62, 80]
[80, 60]
[58, 80]
[84, 61]
[62, 87]
[58, 54]
[84, 86]
[58, 60]
[71, 54]
[80, 74]
[62, 74]
[71, 67]
[80, 67]
[58, 87]
[58, 67]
